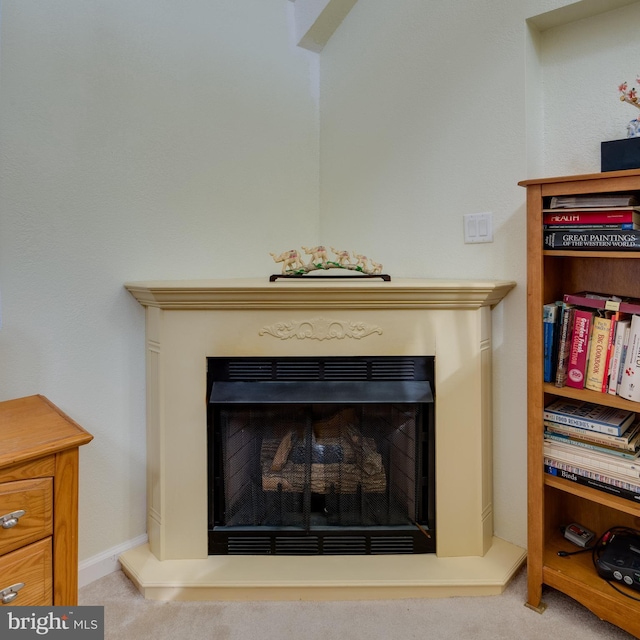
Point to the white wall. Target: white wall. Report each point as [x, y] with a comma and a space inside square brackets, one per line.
[138, 140]
[583, 63]
[149, 140]
[430, 110]
[422, 120]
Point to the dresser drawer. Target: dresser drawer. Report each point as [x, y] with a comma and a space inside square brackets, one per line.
[35, 498]
[30, 566]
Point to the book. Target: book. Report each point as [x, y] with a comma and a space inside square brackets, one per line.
[606, 301]
[579, 351]
[587, 415]
[623, 355]
[591, 446]
[623, 226]
[603, 462]
[609, 480]
[609, 477]
[615, 371]
[592, 239]
[594, 200]
[571, 218]
[615, 317]
[628, 441]
[581, 476]
[550, 318]
[564, 343]
[597, 359]
[630, 383]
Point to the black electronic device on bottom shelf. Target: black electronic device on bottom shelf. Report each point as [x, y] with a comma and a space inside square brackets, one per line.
[620, 560]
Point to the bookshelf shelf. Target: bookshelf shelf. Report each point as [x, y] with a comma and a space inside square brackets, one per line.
[593, 495]
[554, 502]
[592, 396]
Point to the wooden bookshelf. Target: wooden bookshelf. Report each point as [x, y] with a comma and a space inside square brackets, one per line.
[554, 502]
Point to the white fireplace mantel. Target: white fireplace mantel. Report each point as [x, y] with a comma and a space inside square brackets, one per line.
[188, 321]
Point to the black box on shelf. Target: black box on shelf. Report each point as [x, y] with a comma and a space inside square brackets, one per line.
[616, 155]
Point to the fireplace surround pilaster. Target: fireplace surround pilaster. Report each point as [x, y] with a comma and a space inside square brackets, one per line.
[189, 321]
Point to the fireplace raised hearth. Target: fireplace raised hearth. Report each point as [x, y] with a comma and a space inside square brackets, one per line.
[331, 455]
[188, 323]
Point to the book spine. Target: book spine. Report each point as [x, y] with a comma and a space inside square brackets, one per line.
[580, 476]
[582, 423]
[601, 461]
[572, 219]
[623, 226]
[609, 353]
[623, 355]
[596, 367]
[550, 318]
[596, 474]
[593, 201]
[614, 372]
[590, 446]
[613, 239]
[630, 384]
[588, 209]
[577, 366]
[608, 303]
[564, 344]
[621, 442]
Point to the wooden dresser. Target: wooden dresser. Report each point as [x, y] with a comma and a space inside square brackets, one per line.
[38, 503]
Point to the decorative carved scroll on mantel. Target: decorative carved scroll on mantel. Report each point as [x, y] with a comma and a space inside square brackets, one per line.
[320, 329]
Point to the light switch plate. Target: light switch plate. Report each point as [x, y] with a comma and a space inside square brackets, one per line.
[478, 227]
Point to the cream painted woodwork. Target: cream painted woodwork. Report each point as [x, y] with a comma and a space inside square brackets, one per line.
[186, 322]
[554, 502]
[39, 476]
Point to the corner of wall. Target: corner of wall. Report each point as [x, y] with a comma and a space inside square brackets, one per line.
[534, 114]
[104, 563]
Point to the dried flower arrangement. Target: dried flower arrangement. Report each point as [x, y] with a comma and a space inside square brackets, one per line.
[631, 97]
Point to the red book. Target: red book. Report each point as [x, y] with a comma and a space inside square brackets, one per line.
[581, 217]
[579, 353]
[606, 301]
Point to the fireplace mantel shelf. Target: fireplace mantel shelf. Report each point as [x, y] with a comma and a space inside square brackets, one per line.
[189, 321]
[314, 292]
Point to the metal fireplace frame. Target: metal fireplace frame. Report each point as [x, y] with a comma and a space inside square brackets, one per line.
[367, 383]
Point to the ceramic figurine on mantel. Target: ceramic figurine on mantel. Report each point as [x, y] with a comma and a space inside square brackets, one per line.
[293, 264]
[631, 97]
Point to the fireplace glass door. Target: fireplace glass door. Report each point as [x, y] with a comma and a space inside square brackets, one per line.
[308, 457]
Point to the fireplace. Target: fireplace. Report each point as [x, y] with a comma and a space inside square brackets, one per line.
[330, 455]
[188, 323]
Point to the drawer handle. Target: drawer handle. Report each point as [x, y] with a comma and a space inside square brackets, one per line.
[10, 520]
[10, 593]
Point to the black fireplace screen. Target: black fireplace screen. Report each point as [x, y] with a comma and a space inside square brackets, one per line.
[325, 462]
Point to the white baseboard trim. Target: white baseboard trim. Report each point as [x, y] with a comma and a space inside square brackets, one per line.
[106, 562]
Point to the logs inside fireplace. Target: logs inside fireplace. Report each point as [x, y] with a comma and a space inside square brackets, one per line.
[326, 456]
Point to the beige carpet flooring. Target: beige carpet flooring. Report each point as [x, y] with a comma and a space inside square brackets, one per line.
[129, 617]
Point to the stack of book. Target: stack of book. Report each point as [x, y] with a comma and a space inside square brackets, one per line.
[592, 341]
[598, 222]
[593, 445]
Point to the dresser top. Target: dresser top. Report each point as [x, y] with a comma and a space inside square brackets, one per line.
[33, 426]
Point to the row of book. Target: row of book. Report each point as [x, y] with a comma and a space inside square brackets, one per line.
[592, 341]
[597, 222]
[593, 445]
